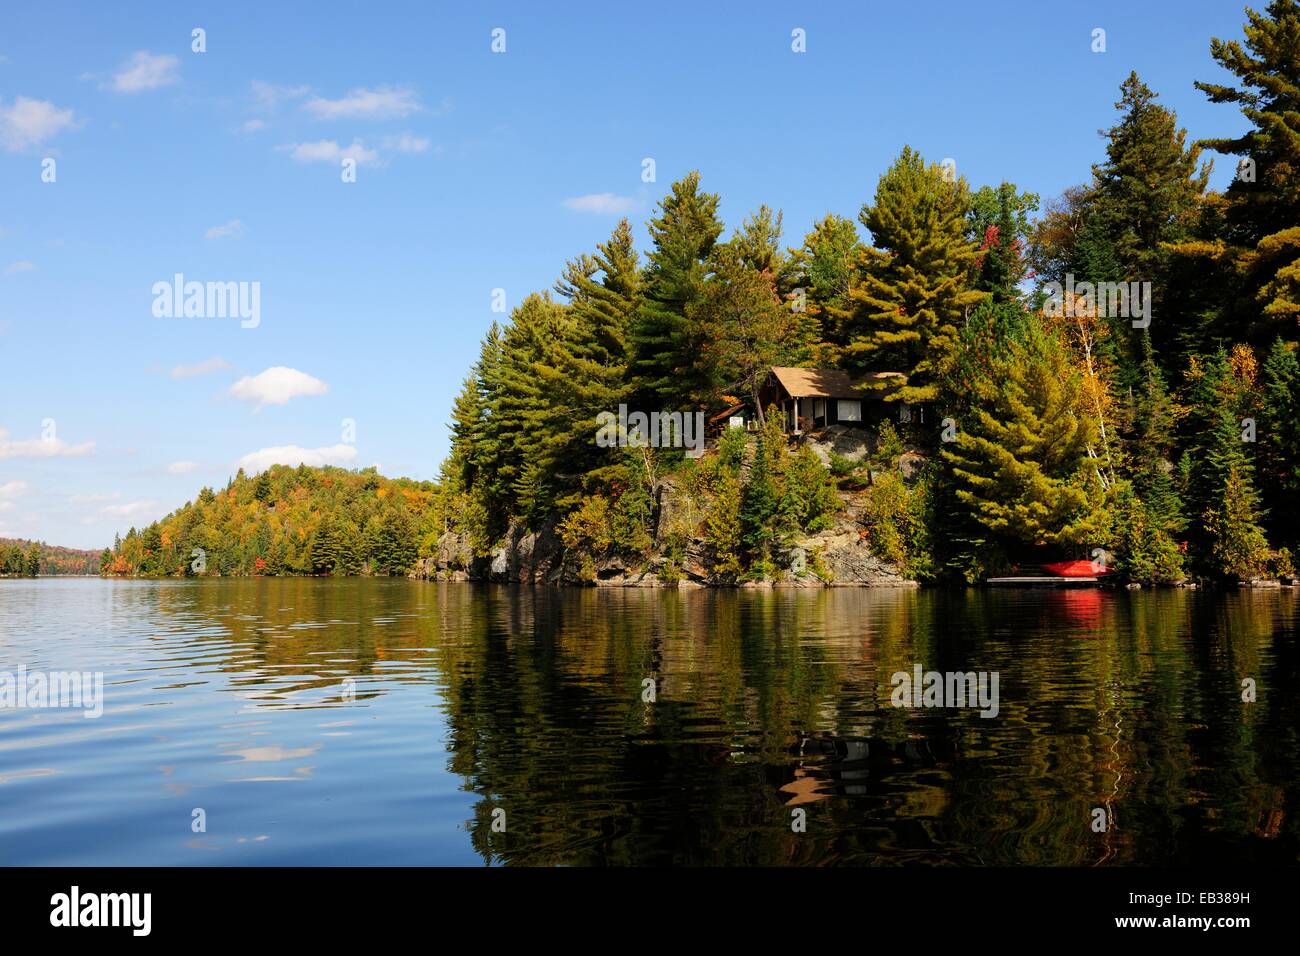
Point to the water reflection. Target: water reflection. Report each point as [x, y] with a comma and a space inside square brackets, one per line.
[371, 721]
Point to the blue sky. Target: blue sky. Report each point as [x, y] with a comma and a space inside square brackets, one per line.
[472, 172]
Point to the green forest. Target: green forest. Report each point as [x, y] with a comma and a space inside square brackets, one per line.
[1115, 368]
[20, 557]
[288, 521]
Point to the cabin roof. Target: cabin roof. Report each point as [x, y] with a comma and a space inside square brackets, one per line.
[828, 382]
[727, 412]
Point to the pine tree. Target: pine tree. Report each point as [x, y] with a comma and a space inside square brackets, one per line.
[823, 269]
[760, 498]
[665, 341]
[590, 370]
[1226, 540]
[1279, 440]
[758, 244]
[390, 542]
[520, 411]
[1238, 546]
[723, 528]
[1262, 217]
[1021, 452]
[1145, 196]
[745, 327]
[1148, 186]
[911, 293]
[347, 552]
[999, 223]
[324, 548]
[1146, 552]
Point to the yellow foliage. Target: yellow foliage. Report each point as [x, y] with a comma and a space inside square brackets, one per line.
[1244, 366]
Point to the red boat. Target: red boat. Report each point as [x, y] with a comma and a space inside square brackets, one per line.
[1077, 569]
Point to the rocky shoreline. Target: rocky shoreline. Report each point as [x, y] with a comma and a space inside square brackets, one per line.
[839, 556]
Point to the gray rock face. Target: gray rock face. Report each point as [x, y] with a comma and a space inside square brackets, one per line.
[839, 556]
[454, 552]
[847, 442]
[846, 556]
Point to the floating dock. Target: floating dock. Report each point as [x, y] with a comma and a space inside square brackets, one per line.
[1044, 581]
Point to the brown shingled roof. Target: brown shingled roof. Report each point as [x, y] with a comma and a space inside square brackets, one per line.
[828, 382]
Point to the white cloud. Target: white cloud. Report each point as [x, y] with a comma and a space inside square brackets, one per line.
[253, 125]
[94, 498]
[22, 265]
[405, 143]
[11, 490]
[329, 151]
[144, 71]
[385, 102]
[214, 364]
[602, 204]
[31, 122]
[181, 467]
[268, 96]
[276, 386]
[264, 458]
[130, 510]
[230, 230]
[42, 448]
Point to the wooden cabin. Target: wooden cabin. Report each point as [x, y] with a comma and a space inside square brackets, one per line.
[811, 399]
[737, 415]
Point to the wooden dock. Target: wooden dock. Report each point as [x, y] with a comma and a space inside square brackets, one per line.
[1044, 581]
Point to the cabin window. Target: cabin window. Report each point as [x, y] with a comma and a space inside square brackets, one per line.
[848, 409]
[819, 408]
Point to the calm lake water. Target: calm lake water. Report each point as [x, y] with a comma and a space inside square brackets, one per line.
[330, 722]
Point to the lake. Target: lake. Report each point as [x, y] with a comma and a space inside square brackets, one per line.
[386, 721]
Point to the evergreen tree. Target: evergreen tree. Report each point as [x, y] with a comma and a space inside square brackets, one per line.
[324, 549]
[590, 374]
[1279, 441]
[390, 542]
[760, 499]
[1148, 187]
[520, 408]
[1144, 197]
[1262, 215]
[665, 341]
[1226, 539]
[1146, 552]
[723, 528]
[745, 327]
[32, 563]
[1021, 452]
[911, 293]
[999, 224]
[823, 269]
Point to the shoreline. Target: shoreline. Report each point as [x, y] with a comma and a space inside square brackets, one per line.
[689, 585]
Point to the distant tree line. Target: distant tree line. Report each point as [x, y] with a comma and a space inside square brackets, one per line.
[21, 558]
[288, 521]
